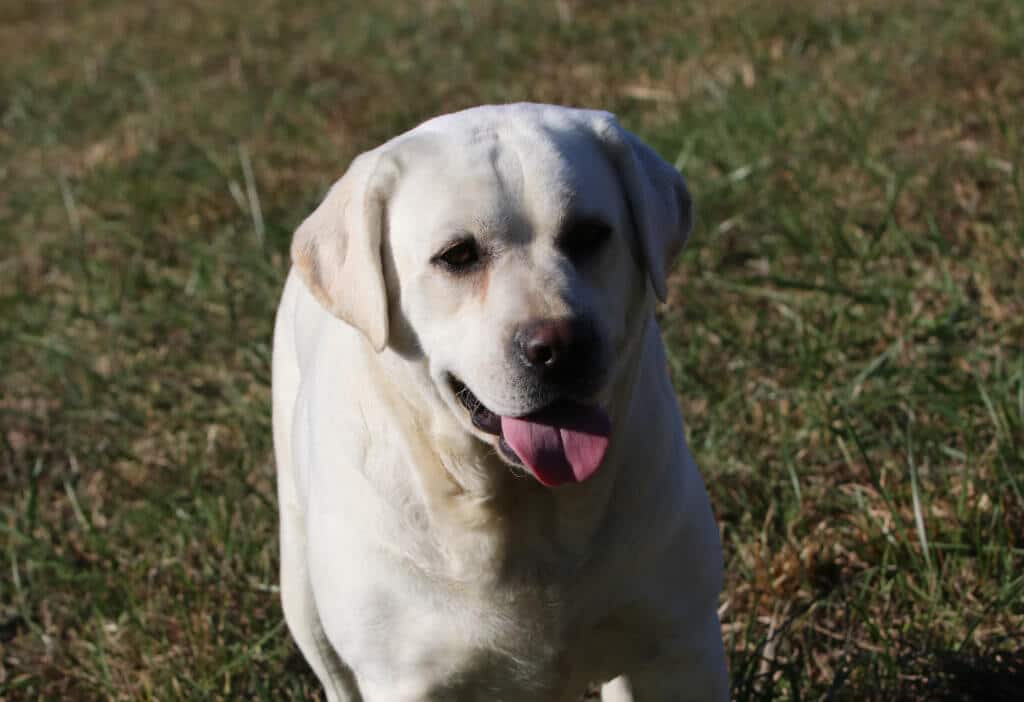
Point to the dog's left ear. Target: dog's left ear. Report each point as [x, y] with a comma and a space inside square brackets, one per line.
[659, 201]
[337, 249]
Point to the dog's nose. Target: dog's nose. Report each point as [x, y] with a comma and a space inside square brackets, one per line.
[546, 344]
[566, 354]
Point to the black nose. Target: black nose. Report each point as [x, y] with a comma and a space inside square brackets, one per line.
[547, 344]
[566, 355]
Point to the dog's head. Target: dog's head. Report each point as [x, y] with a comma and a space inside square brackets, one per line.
[511, 250]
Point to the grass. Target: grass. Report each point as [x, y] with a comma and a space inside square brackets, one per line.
[846, 330]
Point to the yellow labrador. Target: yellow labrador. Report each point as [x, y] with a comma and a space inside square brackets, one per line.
[484, 486]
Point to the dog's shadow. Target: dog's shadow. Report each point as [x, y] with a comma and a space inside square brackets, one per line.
[995, 674]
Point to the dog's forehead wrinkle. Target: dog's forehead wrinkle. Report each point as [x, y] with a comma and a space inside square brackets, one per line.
[476, 194]
[507, 166]
[486, 187]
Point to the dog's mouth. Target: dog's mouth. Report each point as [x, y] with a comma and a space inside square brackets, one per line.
[563, 442]
[482, 418]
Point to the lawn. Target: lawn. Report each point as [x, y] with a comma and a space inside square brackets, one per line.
[845, 330]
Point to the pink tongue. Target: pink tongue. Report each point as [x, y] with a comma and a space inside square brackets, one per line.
[560, 444]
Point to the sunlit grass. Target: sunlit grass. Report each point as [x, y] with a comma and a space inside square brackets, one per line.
[846, 329]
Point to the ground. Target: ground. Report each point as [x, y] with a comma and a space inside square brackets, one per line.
[846, 329]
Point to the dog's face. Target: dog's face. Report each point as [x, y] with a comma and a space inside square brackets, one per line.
[517, 246]
[516, 267]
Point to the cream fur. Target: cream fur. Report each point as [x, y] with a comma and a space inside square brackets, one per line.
[416, 564]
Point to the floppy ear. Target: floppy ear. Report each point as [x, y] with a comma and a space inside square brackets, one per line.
[658, 199]
[337, 249]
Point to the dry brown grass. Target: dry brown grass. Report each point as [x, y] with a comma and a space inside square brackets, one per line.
[845, 331]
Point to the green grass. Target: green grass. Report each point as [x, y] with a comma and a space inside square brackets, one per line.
[846, 330]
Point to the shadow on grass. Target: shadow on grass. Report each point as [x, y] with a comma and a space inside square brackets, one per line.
[777, 669]
[948, 676]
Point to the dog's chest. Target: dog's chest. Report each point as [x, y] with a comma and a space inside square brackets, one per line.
[419, 638]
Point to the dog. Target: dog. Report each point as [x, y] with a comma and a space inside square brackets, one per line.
[485, 490]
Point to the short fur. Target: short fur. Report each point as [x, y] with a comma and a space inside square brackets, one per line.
[416, 562]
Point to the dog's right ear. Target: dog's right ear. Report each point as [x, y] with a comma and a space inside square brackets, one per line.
[337, 249]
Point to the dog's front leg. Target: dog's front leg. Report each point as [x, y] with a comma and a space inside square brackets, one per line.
[303, 620]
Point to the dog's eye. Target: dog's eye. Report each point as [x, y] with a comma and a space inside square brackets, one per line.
[460, 256]
[584, 237]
